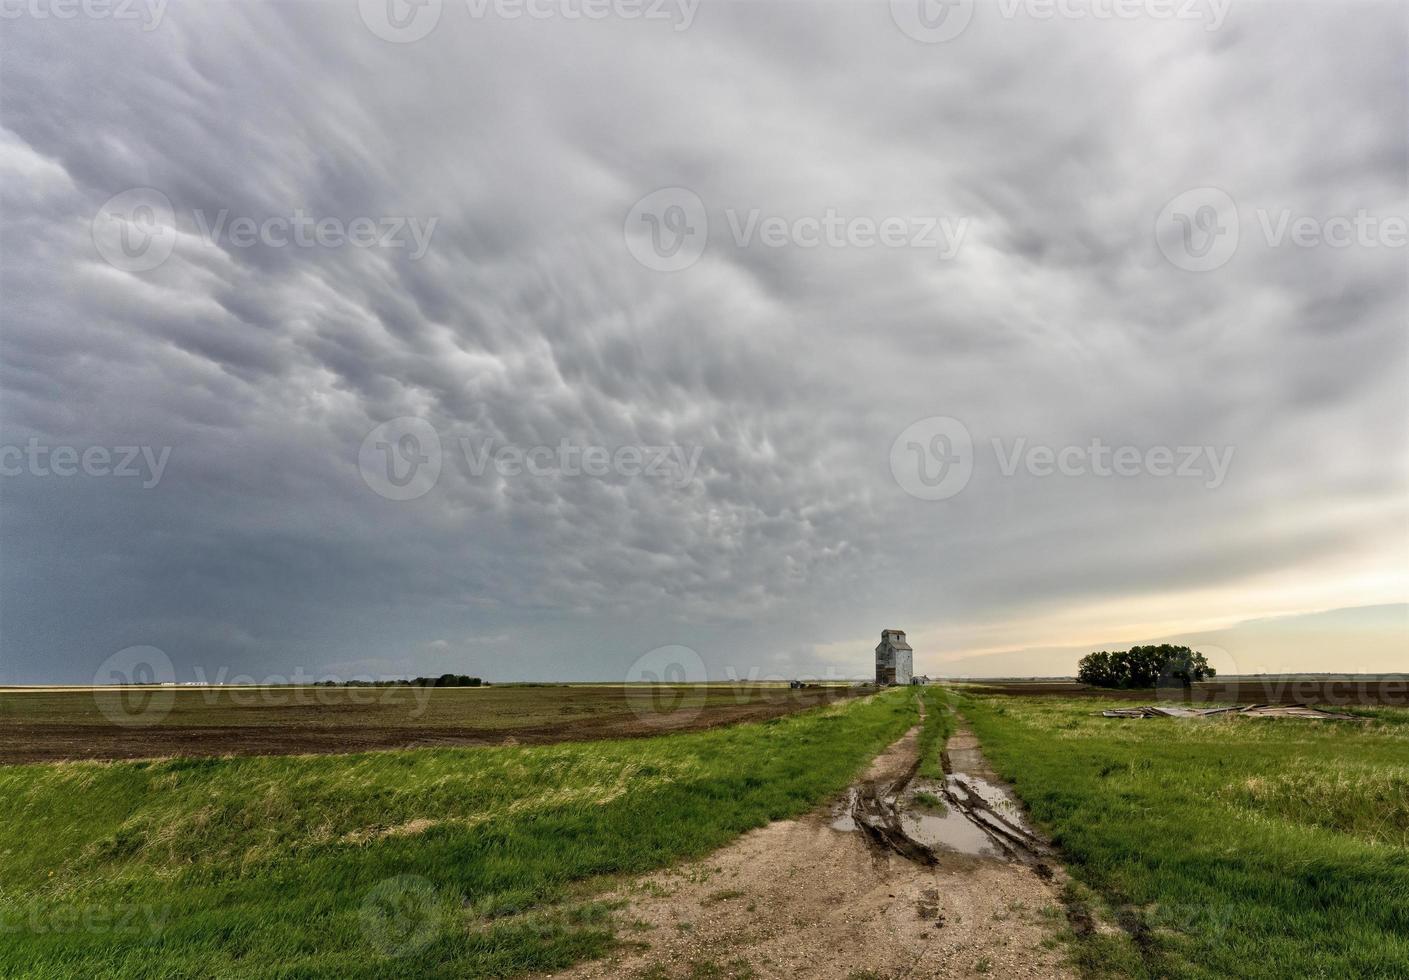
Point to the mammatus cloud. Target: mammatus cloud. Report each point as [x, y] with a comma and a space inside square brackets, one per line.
[769, 244]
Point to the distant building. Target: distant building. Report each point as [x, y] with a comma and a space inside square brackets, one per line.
[894, 658]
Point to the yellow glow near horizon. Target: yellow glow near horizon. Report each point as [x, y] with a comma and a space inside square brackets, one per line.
[1043, 639]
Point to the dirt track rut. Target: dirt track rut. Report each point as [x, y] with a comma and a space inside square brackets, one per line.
[799, 898]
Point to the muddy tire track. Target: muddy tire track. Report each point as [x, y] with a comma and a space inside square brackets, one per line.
[877, 809]
[876, 812]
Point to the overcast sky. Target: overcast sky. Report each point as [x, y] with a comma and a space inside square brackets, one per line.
[1018, 333]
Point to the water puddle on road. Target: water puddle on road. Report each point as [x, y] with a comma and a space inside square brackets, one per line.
[962, 814]
[943, 827]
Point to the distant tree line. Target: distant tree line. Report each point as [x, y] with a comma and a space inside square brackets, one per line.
[1144, 667]
[444, 680]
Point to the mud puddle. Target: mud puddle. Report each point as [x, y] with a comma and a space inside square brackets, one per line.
[941, 826]
[968, 814]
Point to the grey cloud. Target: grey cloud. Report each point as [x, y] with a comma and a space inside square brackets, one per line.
[792, 370]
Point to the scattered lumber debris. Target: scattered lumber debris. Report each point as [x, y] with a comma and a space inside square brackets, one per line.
[1239, 711]
[1295, 711]
[1164, 711]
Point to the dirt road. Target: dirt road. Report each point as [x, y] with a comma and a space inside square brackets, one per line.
[815, 898]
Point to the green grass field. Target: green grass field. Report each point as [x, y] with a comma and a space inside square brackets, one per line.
[1220, 847]
[1230, 848]
[431, 862]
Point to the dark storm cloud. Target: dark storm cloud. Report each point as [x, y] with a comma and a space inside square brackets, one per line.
[789, 370]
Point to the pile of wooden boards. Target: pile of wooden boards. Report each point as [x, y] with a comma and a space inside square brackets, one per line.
[1240, 711]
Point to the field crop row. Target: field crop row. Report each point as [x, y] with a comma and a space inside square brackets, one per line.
[155, 722]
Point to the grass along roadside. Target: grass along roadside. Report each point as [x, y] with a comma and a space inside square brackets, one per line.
[940, 722]
[1224, 847]
[435, 862]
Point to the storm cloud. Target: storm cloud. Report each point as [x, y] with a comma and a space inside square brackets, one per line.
[653, 299]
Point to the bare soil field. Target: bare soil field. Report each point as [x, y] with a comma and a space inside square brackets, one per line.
[53, 724]
[1340, 691]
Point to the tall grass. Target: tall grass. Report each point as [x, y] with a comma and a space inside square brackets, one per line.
[1228, 848]
[437, 862]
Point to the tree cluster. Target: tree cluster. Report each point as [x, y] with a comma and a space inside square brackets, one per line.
[444, 680]
[1144, 667]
